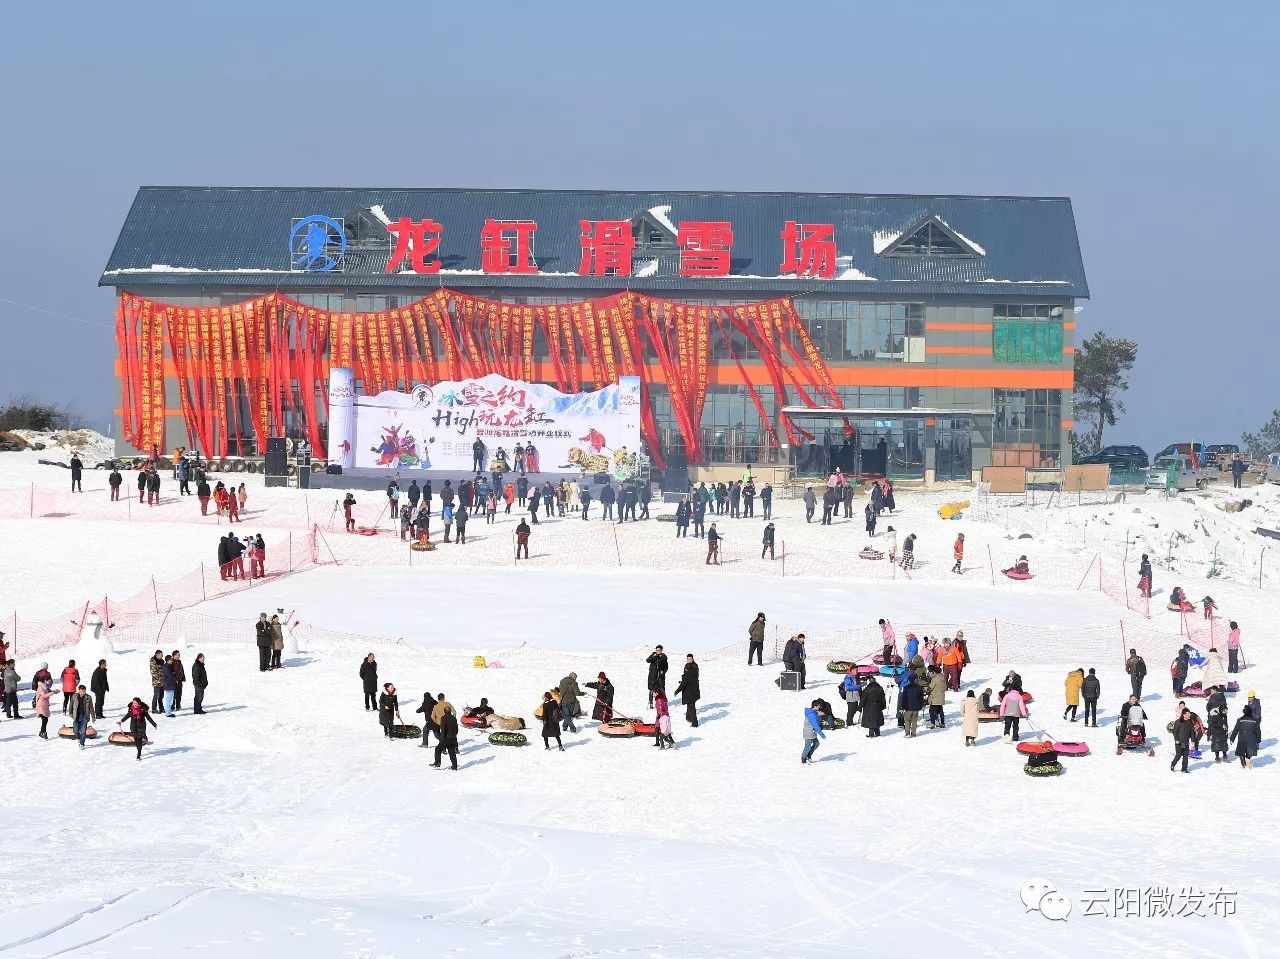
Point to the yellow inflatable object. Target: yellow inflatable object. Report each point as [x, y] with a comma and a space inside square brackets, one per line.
[478, 662]
[948, 510]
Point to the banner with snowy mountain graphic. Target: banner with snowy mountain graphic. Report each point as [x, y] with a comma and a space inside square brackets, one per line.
[434, 427]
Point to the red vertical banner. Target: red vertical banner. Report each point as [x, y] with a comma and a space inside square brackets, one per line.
[425, 363]
[219, 376]
[188, 333]
[572, 363]
[701, 337]
[208, 332]
[604, 324]
[755, 397]
[399, 361]
[262, 373]
[156, 362]
[549, 320]
[363, 367]
[124, 350]
[146, 409]
[229, 409]
[651, 319]
[174, 329]
[526, 344]
[388, 376]
[785, 318]
[438, 308]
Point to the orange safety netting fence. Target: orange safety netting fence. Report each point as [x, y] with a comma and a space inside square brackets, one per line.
[285, 555]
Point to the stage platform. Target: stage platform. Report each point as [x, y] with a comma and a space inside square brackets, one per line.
[372, 478]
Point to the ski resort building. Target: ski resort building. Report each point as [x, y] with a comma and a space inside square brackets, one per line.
[923, 337]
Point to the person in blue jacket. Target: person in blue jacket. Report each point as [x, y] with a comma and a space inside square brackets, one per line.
[812, 732]
[913, 647]
[851, 690]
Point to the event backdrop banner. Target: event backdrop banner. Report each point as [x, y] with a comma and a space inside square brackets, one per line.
[434, 427]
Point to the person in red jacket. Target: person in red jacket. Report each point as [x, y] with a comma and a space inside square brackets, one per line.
[958, 552]
[70, 680]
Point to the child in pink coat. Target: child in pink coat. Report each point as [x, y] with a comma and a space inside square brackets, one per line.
[662, 738]
[44, 692]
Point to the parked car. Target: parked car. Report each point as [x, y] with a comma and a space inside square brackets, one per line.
[1176, 471]
[1126, 459]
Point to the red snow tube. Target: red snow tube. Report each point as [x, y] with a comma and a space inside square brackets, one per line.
[1062, 749]
[991, 716]
[1184, 608]
[1194, 690]
[1035, 747]
[645, 729]
[366, 531]
[1027, 698]
[879, 660]
[866, 669]
[1014, 574]
[617, 727]
[476, 722]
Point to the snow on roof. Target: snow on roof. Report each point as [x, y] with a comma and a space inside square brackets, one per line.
[881, 240]
[380, 214]
[662, 214]
[977, 248]
[166, 268]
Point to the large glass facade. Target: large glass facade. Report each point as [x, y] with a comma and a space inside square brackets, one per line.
[1026, 334]
[850, 331]
[1027, 429]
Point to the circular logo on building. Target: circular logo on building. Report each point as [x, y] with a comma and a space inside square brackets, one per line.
[317, 244]
[422, 396]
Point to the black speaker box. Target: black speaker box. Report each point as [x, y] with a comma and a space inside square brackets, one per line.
[276, 444]
[334, 469]
[789, 681]
[276, 465]
[276, 480]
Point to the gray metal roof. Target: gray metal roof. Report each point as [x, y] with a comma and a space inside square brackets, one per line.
[239, 237]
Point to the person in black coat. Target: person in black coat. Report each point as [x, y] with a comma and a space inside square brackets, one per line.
[1183, 732]
[137, 715]
[1180, 667]
[77, 470]
[1216, 714]
[447, 739]
[550, 721]
[911, 702]
[683, 512]
[428, 724]
[388, 708]
[1144, 572]
[99, 687]
[646, 495]
[1091, 689]
[603, 710]
[262, 630]
[369, 680]
[200, 682]
[1247, 735]
[689, 690]
[873, 707]
[793, 656]
[657, 680]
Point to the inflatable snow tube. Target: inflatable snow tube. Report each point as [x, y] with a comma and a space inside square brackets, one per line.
[1184, 608]
[505, 738]
[476, 722]
[1071, 749]
[509, 723]
[888, 670]
[990, 716]
[841, 665]
[866, 669]
[1195, 690]
[366, 531]
[1046, 769]
[837, 722]
[69, 732]
[405, 732]
[879, 660]
[869, 553]
[123, 739]
[1014, 574]
[621, 728]
[426, 547]
[951, 510]
[1035, 748]
[646, 729]
[1028, 698]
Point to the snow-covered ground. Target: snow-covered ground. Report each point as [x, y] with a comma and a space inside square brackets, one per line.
[282, 823]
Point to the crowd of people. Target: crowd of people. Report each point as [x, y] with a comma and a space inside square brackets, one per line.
[233, 551]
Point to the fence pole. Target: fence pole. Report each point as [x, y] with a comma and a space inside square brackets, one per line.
[991, 564]
[31, 505]
[154, 597]
[1261, 557]
[290, 549]
[616, 548]
[996, 624]
[784, 559]
[162, 622]
[1123, 645]
[204, 595]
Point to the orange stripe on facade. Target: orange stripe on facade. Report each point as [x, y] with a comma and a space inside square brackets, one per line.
[958, 350]
[1068, 424]
[1068, 325]
[905, 374]
[1068, 350]
[959, 327]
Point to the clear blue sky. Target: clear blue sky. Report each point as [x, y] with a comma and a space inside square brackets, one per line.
[1159, 120]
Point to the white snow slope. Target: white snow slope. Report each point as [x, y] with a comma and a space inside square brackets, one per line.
[283, 823]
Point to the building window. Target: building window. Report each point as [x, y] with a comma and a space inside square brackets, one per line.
[848, 331]
[1027, 429]
[1026, 334]
[932, 238]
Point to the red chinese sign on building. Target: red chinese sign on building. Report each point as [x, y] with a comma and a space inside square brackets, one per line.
[606, 248]
[809, 249]
[706, 247]
[506, 246]
[415, 242]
